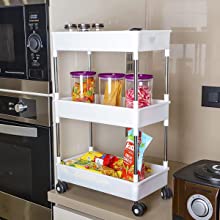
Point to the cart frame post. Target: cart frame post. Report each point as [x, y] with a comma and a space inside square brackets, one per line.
[166, 98]
[90, 124]
[135, 106]
[56, 119]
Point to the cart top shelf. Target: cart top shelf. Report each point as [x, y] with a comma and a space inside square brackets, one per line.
[111, 41]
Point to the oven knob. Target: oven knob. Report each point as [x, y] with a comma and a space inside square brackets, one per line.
[20, 107]
[200, 208]
[34, 43]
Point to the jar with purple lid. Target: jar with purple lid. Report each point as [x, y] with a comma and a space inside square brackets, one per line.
[145, 88]
[83, 86]
[111, 88]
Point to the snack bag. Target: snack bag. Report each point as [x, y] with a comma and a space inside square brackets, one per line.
[106, 160]
[87, 165]
[90, 156]
[128, 169]
[109, 171]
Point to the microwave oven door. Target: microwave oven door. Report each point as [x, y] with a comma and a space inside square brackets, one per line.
[12, 42]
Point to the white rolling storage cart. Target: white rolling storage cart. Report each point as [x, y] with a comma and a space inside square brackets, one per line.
[114, 41]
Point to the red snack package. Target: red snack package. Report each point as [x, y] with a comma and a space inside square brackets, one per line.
[128, 168]
[106, 160]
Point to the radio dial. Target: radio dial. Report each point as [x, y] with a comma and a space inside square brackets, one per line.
[34, 43]
[200, 208]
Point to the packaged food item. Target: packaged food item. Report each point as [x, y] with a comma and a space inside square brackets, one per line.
[106, 160]
[115, 167]
[111, 87]
[147, 168]
[85, 165]
[109, 171]
[145, 87]
[128, 160]
[83, 86]
[91, 155]
[118, 164]
[68, 162]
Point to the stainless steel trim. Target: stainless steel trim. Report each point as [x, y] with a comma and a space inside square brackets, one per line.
[167, 92]
[56, 74]
[20, 2]
[26, 93]
[20, 73]
[13, 208]
[135, 80]
[165, 143]
[58, 138]
[90, 125]
[25, 85]
[18, 130]
[167, 75]
[136, 99]
[43, 110]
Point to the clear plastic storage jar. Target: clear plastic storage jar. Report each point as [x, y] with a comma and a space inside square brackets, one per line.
[111, 88]
[83, 86]
[145, 87]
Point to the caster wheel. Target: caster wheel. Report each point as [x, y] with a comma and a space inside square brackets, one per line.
[139, 209]
[61, 187]
[144, 206]
[166, 193]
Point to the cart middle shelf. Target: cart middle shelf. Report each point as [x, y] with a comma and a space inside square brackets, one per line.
[112, 115]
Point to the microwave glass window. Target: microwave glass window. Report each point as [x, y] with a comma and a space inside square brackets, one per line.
[7, 43]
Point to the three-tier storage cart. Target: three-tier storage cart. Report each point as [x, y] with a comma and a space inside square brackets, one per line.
[114, 41]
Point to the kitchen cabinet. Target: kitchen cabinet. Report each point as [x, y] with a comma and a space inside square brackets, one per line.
[62, 213]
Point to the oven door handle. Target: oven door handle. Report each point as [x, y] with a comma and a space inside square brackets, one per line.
[18, 130]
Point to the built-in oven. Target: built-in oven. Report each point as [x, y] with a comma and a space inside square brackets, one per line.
[25, 160]
[26, 155]
[24, 42]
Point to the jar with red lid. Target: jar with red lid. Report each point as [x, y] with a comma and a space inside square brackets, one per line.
[145, 88]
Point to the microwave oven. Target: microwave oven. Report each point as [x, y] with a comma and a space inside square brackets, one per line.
[24, 42]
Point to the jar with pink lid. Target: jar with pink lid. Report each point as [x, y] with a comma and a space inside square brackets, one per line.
[145, 87]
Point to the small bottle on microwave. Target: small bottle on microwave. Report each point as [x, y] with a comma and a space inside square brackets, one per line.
[83, 86]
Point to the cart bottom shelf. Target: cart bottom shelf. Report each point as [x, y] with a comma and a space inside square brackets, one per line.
[114, 186]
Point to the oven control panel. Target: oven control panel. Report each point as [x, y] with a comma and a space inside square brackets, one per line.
[20, 107]
[37, 41]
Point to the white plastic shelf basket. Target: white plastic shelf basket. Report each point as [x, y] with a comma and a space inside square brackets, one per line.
[114, 186]
[111, 115]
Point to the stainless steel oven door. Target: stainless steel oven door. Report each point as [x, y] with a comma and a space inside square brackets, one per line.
[14, 208]
[26, 161]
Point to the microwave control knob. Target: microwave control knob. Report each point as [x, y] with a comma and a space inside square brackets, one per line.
[20, 107]
[34, 43]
